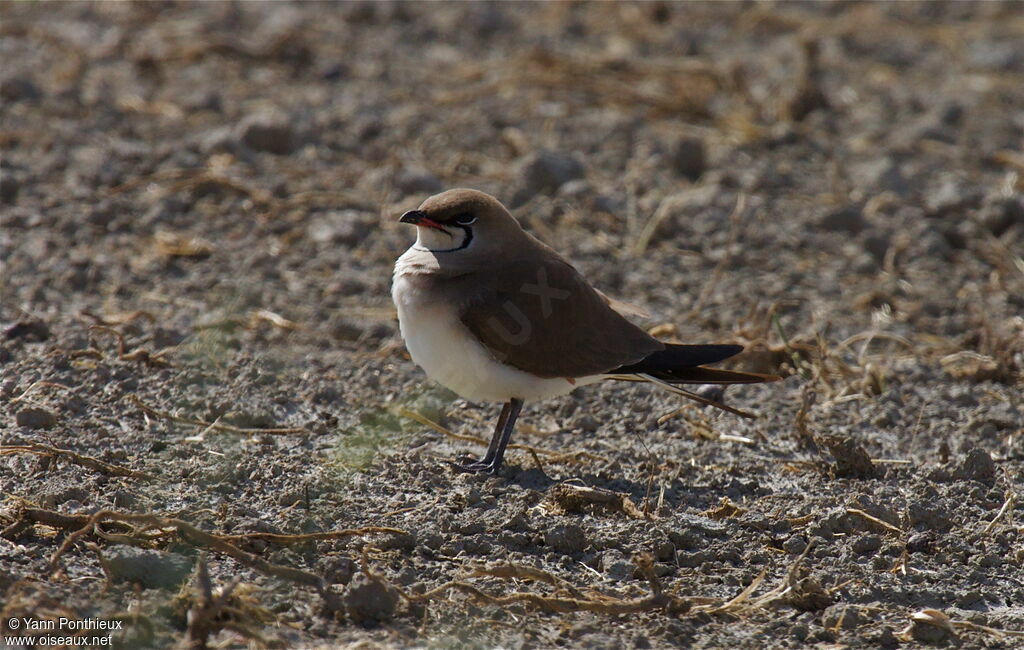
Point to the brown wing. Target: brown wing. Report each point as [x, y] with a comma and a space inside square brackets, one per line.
[542, 317]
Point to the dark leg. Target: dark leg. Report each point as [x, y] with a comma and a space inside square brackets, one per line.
[491, 462]
[515, 405]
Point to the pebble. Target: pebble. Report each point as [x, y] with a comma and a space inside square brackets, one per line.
[920, 543]
[877, 244]
[545, 171]
[342, 329]
[867, 544]
[124, 500]
[585, 422]
[269, 131]
[148, 568]
[567, 539]
[978, 466]
[35, 418]
[9, 187]
[928, 633]
[337, 569]
[843, 616]
[849, 218]
[689, 157]
[29, 330]
[928, 515]
[17, 89]
[616, 565]
[368, 600]
[795, 544]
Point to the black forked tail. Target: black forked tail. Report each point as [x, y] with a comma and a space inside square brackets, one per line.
[681, 364]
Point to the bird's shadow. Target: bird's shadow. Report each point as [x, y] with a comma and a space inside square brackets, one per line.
[676, 493]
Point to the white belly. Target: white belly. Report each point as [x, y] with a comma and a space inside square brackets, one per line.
[450, 355]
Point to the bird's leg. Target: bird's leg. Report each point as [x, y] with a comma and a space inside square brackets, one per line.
[491, 462]
[515, 405]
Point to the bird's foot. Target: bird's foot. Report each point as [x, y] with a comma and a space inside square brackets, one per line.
[474, 467]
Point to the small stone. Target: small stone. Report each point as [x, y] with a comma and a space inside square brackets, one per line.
[337, 569]
[334, 71]
[269, 131]
[608, 204]
[367, 128]
[342, 329]
[689, 158]
[665, 551]
[546, 171]
[978, 466]
[417, 181]
[35, 418]
[809, 595]
[368, 600]
[990, 561]
[795, 545]
[928, 515]
[877, 244]
[567, 539]
[17, 89]
[616, 565]
[969, 598]
[250, 419]
[841, 616]
[148, 568]
[885, 638]
[9, 187]
[920, 543]
[867, 544]
[55, 496]
[585, 422]
[851, 459]
[124, 500]
[849, 218]
[929, 632]
[29, 330]
[486, 19]
[165, 337]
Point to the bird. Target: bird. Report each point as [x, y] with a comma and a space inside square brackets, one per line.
[495, 315]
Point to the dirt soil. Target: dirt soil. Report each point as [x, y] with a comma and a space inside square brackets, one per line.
[212, 433]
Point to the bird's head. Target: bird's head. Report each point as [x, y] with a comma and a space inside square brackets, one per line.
[464, 224]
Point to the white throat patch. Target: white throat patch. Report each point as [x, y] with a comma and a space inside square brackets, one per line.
[431, 239]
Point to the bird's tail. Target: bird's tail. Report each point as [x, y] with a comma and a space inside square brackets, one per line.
[683, 364]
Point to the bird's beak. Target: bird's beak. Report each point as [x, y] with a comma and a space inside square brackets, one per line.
[420, 218]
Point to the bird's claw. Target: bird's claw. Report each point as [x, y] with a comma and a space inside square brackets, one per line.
[473, 467]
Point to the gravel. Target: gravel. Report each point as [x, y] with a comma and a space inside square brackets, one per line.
[197, 232]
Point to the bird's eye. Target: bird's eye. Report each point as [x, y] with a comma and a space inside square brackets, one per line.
[465, 219]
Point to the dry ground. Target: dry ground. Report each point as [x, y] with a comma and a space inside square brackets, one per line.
[211, 432]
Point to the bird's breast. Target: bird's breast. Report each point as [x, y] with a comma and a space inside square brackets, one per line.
[451, 355]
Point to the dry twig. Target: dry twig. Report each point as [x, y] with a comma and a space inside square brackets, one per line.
[210, 426]
[40, 449]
